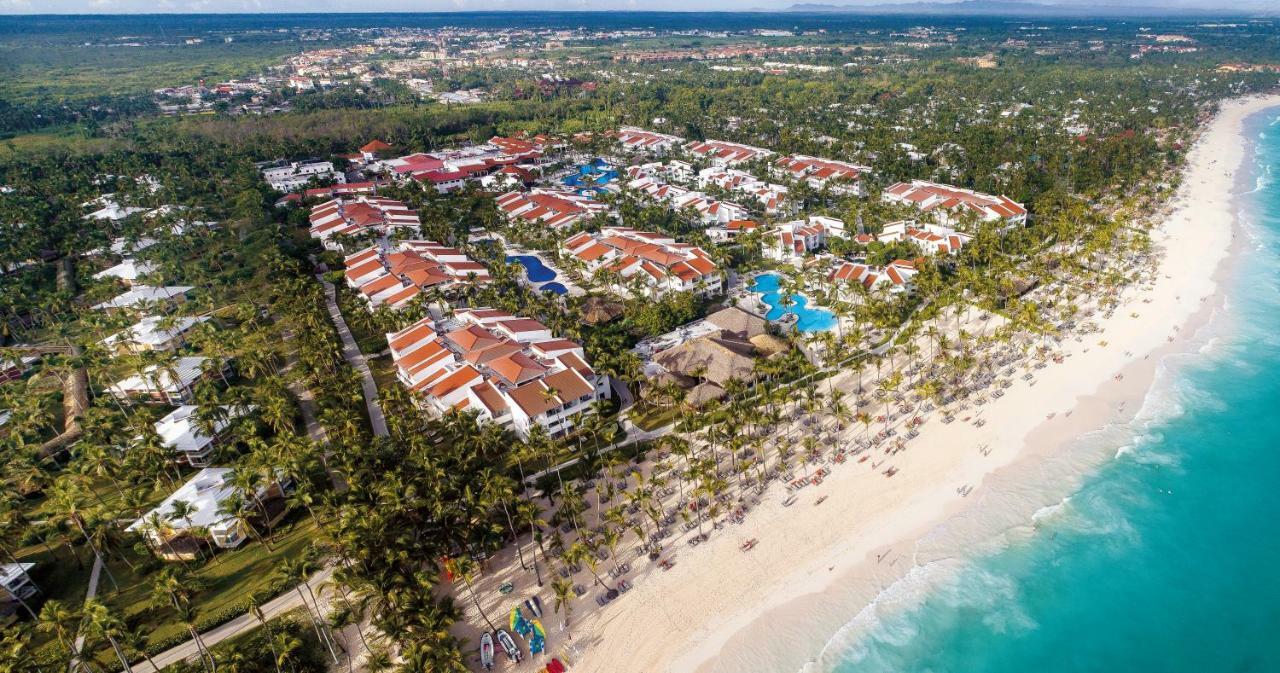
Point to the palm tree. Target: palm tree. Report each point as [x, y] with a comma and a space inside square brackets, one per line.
[98, 620]
[59, 619]
[465, 568]
[563, 589]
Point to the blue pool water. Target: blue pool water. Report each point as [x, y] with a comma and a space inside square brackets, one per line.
[1167, 558]
[595, 174]
[554, 287]
[809, 319]
[534, 268]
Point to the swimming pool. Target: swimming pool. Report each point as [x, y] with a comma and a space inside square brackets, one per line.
[596, 173]
[554, 287]
[809, 319]
[533, 267]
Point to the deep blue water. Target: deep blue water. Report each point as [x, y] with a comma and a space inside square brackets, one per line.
[809, 319]
[1167, 559]
[534, 268]
[554, 287]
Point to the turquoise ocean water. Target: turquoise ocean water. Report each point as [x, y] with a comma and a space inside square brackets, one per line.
[1167, 557]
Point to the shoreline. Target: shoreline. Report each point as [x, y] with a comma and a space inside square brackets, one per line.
[866, 586]
[818, 571]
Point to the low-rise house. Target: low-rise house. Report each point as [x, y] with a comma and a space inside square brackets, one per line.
[508, 370]
[840, 177]
[173, 383]
[128, 270]
[393, 276]
[201, 518]
[724, 153]
[153, 333]
[731, 230]
[359, 215]
[708, 210]
[16, 585]
[639, 140]
[654, 264]
[291, 176]
[945, 203]
[146, 294]
[180, 430]
[552, 208]
[771, 197]
[895, 277]
[791, 242]
[934, 239]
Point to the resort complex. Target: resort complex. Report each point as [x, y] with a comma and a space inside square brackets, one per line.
[632, 342]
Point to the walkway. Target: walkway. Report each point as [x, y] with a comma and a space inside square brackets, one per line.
[285, 602]
[355, 358]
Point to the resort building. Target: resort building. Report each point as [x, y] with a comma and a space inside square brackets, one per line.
[153, 333]
[708, 210]
[894, 278]
[840, 177]
[508, 370]
[731, 230]
[639, 140]
[793, 241]
[15, 581]
[360, 215]
[650, 263]
[146, 294]
[172, 383]
[449, 170]
[291, 176]
[181, 432]
[933, 239]
[393, 276]
[770, 196]
[945, 203]
[704, 356]
[204, 494]
[128, 270]
[724, 153]
[552, 208]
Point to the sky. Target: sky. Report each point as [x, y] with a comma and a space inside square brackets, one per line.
[255, 6]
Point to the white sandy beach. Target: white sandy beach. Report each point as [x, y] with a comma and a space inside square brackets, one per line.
[772, 609]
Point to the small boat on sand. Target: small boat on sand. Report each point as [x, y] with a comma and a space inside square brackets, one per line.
[791, 500]
[534, 606]
[509, 646]
[819, 501]
[486, 651]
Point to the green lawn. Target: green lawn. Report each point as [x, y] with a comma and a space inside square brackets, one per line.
[654, 417]
[231, 578]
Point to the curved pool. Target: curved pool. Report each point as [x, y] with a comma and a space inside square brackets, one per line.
[554, 287]
[809, 319]
[533, 268]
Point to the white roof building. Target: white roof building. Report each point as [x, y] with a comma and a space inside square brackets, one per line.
[180, 431]
[129, 270]
[154, 333]
[174, 384]
[205, 492]
[139, 294]
[16, 581]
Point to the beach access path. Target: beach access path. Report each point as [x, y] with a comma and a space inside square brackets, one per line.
[351, 351]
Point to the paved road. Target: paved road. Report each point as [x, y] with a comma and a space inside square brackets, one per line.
[281, 604]
[352, 353]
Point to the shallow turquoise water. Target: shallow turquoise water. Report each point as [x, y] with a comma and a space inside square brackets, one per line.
[1168, 557]
[808, 319]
